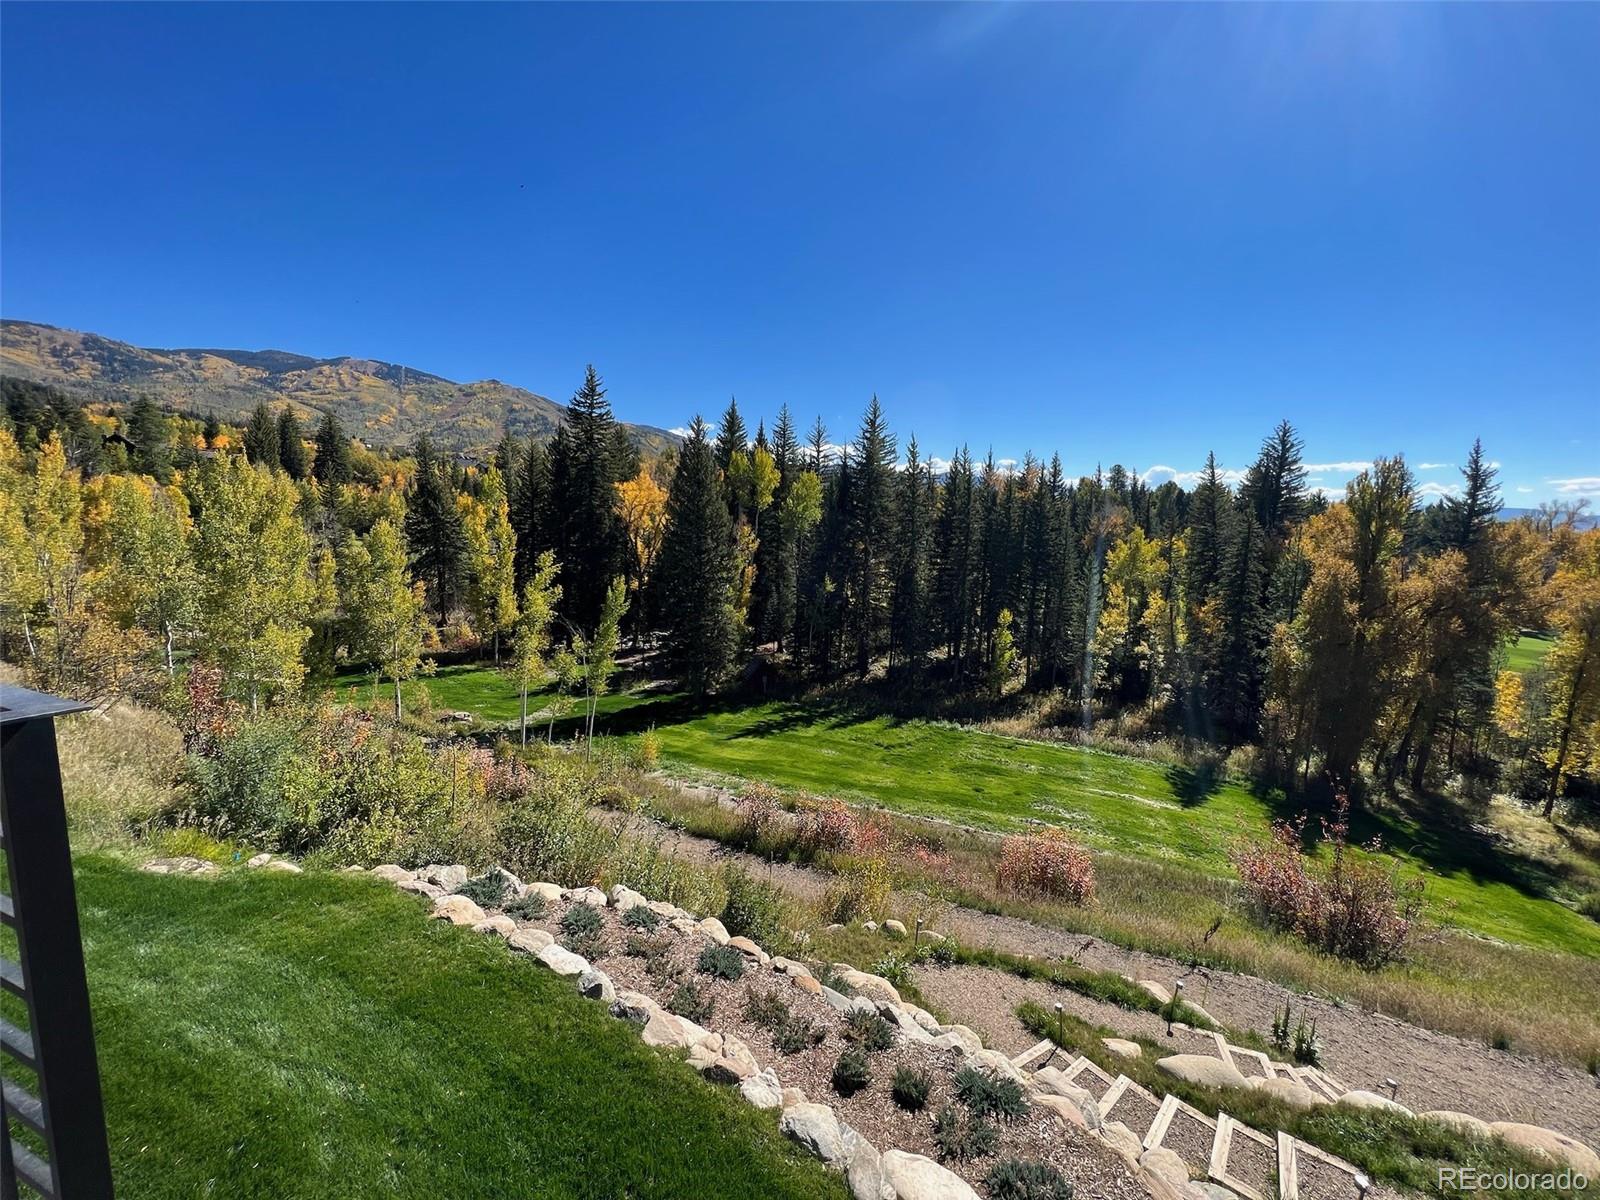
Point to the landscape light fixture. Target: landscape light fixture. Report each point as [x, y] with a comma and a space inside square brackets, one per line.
[1394, 1087]
[916, 935]
[1362, 1184]
[1061, 1028]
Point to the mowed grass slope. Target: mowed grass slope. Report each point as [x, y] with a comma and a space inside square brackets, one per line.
[1129, 806]
[279, 1036]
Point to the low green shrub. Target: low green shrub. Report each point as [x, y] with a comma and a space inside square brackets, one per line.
[797, 1034]
[989, 1095]
[580, 929]
[720, 962]
[487, 890]
[1589, 906]
[766, 1008]
[1015, 1179]
[869, 1030]
[959, 1137]
[754, 908]
[851, 1072]
[528, 907]
[693, 1002]
[910, 1088]
[640, 917]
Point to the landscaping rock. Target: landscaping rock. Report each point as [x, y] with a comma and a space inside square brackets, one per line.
[258, 860]
[834, 928]
[863, 1004]
[530, 941]
[1064, 1108]
[1549, 1144]
[562, 961]
[596, 985]
[1122, 1047]
[1291, 1091]
[913, 1177]
[624, 898]
[958, 1037]
[788, 966]
[864, 1174]
[1212, 1191]
[1167, 1164]
[444, 877]
[870, 926]
[816, 1128]
[715, 930]
[183, 865]
[1202, 1069]
[868, 985]
[1459, 1121]
[837, 1001]
[809, 985]
[1123, 1140]
[793, 1095]
[922, 1017]
[895, 928]
[905, 1023]
[1201, 1013]
[391, 873]
[421, 887]
[1050, 1084]
[762, 1091]
[736, 1051]
[664, 910]
[458, 910]
[684, 924]
[999, 1065]
[498, 923]
[287, 865]
[666, 1029]
[592, 896]
[745, 946]
[1157, 990]
[548, 892]
[634, 1006]
[1363, 1099]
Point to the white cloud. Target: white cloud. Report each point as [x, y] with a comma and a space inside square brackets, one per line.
[1330, 493]
[1160, 473]
[1433, 466]
[682, 431]
[1582, 485]
[1439, 489]
[1351, 468]
[1524, 490]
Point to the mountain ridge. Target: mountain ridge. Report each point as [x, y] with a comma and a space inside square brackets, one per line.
[383, 403]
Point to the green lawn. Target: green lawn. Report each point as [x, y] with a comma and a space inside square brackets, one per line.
[277, 1036]
[489, 695]
[1526, 653]
[1127, 805]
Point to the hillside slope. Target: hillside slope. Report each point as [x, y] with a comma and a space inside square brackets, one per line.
[383, 403]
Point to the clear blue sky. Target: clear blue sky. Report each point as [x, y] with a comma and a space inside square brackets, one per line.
[1127, 233]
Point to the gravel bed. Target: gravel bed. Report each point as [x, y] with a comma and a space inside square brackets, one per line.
[1319, 1181]
[1190, 1140]
[1253, 1163]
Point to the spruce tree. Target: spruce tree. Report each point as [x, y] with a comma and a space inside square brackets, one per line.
[909, 617]
[261, 437]
[147, 430]
[952, 548]
[731, 436]
[871, 524]
[291, 445]
[694, 574]
[530, 503]
[434, 531]
[331, 467]
[585, 529]
[213, 429]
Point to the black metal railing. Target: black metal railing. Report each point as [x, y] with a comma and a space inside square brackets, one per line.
[52, 1124]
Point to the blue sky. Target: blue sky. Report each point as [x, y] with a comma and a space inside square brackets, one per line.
[1126, 233]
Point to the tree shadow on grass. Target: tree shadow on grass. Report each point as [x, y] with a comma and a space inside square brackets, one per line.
[1194, 785]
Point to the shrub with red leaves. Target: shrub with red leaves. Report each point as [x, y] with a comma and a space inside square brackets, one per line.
[207, 712]
[1047, 862]
[825, 826]
[759, 810]
[1355, 909]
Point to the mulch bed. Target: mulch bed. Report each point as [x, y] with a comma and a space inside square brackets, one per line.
[1095, 1171]
[1190, 1140]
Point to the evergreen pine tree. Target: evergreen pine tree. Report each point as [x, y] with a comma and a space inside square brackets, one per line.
[731, 437]
[434, 531]
[331, 467]
[909, 619]
[213, 429]
[530, 501]
[952, 549]
[147, 430]
[291, 445]
[871, 524]
[694, 573]
[261, 437]
[586, 532]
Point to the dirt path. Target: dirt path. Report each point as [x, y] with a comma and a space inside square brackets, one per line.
[1435, 1070]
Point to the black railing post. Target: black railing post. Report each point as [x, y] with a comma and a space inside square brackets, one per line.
[65, 1119]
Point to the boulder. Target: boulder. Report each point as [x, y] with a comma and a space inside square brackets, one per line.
[816, 1128]
[834, 928]
[446, 878]
[913, 1177]
[1122, 1047]
[895, 928]
[585, 895]
[1548, 1144]
[964, 1038]
[736, 1051]
[1364, 1099]
[1202, 1069]
[762, 1091]
[715, 930]
[999, 1066]
[421, 887]
[722, 1069]
[863, 1004]
[498, 923]
[1167, 1164]
[1123, 1140]
[1064, 1108]
[530, 941]
[458, 910]
[837, 1001]
[1051, 1085]
[905, 1023]
[667, 1029]
[864, 1174]
[808, 985]
[868, 985]
[870, 926]
[562, 961]
[922, 1017]
[258, 860]
[745, 946]
[664, 910]
[1459, 1121]
[684, 924]
[1157, 990]
[548, 892]
[788, 966]
[1206, 1190]
[1204, 1016]
[596, 985]
[183, 865]
[634, 1006]
[793, 1095]
[1291, 1091]
[286, 865]
[624, 898]
[391, 873]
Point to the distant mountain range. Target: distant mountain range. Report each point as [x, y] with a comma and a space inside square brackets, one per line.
[383, 403]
